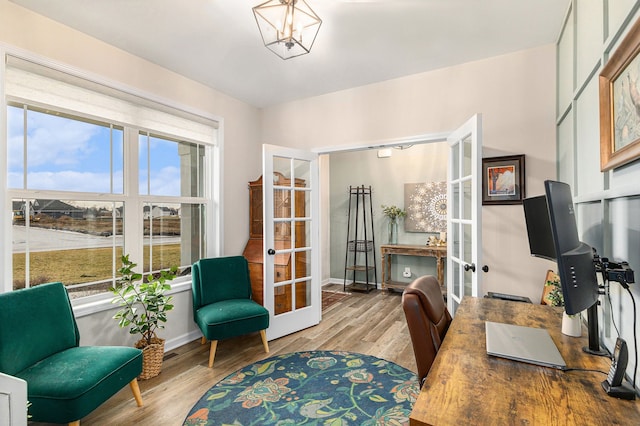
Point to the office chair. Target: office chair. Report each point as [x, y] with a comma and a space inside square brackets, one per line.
[428, 320]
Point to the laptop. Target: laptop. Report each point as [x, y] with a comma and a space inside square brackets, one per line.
[524, 344]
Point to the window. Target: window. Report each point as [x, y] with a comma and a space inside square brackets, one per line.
[87, 186]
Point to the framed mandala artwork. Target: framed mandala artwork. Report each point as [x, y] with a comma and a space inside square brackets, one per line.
[426, 206]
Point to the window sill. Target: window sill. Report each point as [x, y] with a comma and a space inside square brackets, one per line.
[89, 305]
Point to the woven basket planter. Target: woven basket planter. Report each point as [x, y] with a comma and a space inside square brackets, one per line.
[152, 356]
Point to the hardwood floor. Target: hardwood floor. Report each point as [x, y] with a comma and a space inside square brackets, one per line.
[372, 324]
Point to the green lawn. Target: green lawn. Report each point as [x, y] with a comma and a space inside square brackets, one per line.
[83, 265]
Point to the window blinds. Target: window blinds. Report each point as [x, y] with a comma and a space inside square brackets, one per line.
[37, 84]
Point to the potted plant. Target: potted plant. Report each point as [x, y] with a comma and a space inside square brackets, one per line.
[571, 324]
[393, 213]
[143, 308]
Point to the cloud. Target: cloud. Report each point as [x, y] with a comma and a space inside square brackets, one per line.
[73, 181]
[165, 181]
[59, 141]
[51, 140]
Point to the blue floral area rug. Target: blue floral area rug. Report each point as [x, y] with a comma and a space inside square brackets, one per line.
[329, 388]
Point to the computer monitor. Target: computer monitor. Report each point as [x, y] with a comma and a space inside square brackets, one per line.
[551, 218]
[536, 214]
[574, 258]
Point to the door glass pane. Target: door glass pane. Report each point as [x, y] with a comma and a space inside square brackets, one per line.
[303, 294]
[303, 263]
[455, 195]
[455, 242]
[302, 203]
[282, 234]
[283, 300]
[282, 267]
[456, 280]
[466, 243]
[455, 163]
[303, 232]
[281, 171]
[468, 282]
[468, 260]
[281, 203]
[466, 143]
[466, 202]
[302, 170]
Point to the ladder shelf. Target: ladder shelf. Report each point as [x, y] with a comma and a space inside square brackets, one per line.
[360, 256]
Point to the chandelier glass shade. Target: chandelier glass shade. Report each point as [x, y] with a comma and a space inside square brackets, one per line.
[288, 27]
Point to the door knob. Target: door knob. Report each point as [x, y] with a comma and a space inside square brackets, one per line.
[271, 252]
[470, 266]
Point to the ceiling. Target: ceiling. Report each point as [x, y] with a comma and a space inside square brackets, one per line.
[217, 42]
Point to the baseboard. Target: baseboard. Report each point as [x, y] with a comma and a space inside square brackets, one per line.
[340, 281]
[176, 342]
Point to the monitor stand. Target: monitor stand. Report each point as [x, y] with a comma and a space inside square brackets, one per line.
[592, 328]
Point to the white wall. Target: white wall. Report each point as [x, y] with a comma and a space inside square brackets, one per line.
[515, 94]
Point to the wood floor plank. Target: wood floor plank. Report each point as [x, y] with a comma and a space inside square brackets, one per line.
[371, 324]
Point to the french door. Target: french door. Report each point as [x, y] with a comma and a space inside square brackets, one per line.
[292, 278]
[464, 219]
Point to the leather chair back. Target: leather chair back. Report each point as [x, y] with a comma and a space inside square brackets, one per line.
[428, 320]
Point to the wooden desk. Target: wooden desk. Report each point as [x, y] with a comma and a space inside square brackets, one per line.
[387, 250]
[467, 386]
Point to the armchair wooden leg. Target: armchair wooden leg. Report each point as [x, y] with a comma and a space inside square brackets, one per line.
[136, 391]
[212, 352]
[76, 423]
[263, 334]
[203, 340]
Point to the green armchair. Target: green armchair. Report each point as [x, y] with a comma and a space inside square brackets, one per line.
[39, 343]
[222, 305]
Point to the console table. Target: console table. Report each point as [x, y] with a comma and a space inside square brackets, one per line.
[388, 250]
[467, 386]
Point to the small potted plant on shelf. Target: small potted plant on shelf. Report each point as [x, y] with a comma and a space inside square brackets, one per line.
[394, 214]
[143, 308]
[571, 324]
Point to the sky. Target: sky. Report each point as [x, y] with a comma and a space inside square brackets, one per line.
[72, 155]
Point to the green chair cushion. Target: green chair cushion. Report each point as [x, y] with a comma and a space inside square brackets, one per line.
[39, 343]
[70, 384]
[35, 323]
[230, 318]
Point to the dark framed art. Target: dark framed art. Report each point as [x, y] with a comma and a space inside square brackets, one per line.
[620, 104]
[503, 180]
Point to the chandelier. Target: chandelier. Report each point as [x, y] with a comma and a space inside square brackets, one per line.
[288, 27]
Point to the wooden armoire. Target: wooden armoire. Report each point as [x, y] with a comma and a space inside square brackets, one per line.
[282, 240]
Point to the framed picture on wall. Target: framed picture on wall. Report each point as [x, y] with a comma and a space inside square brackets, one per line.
[503, 180]
[426, 205]
[620, 104]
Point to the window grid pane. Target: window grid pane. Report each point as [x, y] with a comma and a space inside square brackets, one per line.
[84, 238]
[59, 152]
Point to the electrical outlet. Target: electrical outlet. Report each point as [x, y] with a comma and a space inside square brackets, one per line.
[407, 272]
